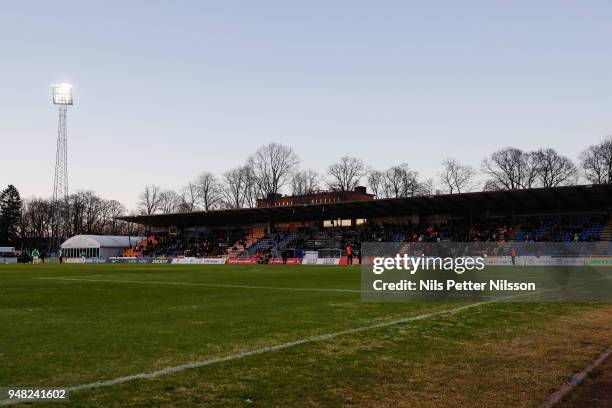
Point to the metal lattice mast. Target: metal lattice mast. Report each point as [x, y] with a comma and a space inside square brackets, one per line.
[62, 97]
[60, 181]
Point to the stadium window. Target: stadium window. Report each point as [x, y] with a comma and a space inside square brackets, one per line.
[360, 221]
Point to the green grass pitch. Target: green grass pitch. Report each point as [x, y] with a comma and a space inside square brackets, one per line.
[69, 325]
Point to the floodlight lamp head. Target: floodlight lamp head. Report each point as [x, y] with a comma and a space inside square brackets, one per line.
[62, 94]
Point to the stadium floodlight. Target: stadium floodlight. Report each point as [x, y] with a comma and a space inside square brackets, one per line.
[62, 94]
[62, 97]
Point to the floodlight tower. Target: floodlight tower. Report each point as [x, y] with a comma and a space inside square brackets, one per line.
[62, 97]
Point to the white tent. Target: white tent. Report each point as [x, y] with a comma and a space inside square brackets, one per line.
[97, 246]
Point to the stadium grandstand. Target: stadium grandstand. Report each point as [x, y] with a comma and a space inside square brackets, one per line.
[295, 227]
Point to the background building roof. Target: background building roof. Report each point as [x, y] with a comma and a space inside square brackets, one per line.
[100, 241]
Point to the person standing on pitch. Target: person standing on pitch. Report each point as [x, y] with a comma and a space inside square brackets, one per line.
[349, 255]
[513, 254]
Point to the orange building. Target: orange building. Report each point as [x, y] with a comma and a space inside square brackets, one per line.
[324, 197]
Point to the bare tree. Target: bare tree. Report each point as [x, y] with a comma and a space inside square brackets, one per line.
[169, 202]
[492, 185]
[36, 218]
[115, 210]
[208, 190]
[531, 170]
[95, 212]
[272, 166]
[149, 200]
[510, 169]
[400, 181]
[456, 177]
[347, 173]
[427, 187]
[232, 188]
[250, 187]
[552, 169]
[86, 213]
[305, 182]
[596, 162]
[189, 198]
[376, 181]
[397, 181]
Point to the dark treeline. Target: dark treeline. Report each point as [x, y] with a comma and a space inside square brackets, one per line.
[27, 223]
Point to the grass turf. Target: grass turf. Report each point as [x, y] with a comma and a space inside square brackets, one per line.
[65, 325]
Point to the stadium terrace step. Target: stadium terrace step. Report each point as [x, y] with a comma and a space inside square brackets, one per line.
[606, 231]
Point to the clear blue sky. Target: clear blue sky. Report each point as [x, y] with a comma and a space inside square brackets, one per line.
[164, 90]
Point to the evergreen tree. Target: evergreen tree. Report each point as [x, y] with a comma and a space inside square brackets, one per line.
[10, 214]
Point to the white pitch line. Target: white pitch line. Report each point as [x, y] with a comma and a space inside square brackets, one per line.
[232, 357]
[214, 285]
[576, 380]
[115, 275]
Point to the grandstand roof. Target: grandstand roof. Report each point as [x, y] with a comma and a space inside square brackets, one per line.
[554, 199]
[100, 241]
